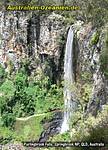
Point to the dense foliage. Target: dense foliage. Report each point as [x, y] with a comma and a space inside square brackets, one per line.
[23, 95]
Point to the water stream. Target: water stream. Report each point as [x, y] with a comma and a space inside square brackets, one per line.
[68, 80]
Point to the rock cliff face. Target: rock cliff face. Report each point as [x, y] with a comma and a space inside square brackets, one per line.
[33, 35]
[27, 34]
[100, 82]
[13, 27]
[91, 44]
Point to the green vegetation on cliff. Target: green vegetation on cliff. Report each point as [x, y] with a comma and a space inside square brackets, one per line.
[104, 57]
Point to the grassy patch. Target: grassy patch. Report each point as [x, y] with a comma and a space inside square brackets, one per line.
[5, 135]
[29, 129]
[95, 38]
[24, 130]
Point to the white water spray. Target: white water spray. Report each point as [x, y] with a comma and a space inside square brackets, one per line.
[68, 80]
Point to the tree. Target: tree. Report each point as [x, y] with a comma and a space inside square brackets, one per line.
[8, 120]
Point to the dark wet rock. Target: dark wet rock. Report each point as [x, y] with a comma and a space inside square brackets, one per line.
[51, 127]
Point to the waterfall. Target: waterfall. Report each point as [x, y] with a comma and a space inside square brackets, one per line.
[70, 105]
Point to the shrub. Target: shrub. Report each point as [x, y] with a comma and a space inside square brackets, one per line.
[2, 74]
[95, 38]
[8, 120]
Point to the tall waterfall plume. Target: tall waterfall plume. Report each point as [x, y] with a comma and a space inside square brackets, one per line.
[70, 105]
